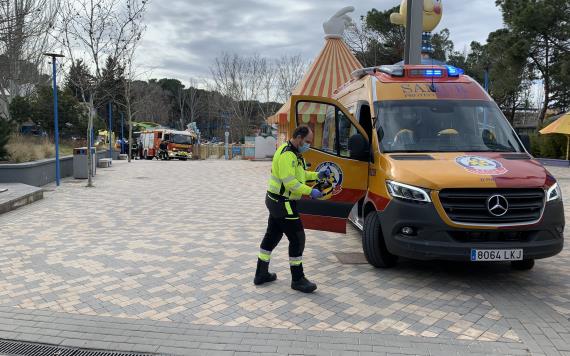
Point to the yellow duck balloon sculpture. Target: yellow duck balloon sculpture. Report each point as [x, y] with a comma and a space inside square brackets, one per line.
[433, 11]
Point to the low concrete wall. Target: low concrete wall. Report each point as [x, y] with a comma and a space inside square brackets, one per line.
[39, 173]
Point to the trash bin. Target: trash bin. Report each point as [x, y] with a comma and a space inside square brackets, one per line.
[236, 152]
[80, 167]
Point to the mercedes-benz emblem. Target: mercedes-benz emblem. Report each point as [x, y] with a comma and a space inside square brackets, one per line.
[497, 205]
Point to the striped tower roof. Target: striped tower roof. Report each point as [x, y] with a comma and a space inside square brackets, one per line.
[331, 69]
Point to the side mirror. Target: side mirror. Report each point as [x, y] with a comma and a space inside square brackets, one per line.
[358, 147]
[525, 139]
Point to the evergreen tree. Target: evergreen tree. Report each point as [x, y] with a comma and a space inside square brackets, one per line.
[78, 77]
[541, 28]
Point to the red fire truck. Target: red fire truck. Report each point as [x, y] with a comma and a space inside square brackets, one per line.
[179, 143]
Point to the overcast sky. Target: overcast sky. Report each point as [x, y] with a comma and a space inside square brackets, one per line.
[185, 36]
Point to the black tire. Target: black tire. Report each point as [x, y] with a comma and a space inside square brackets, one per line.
[373, 243]
[146, 156]
[523, 265]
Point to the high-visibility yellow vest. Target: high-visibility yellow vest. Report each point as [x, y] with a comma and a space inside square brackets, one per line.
[288, 174]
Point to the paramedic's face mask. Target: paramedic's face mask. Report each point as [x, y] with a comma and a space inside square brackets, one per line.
[303, 144]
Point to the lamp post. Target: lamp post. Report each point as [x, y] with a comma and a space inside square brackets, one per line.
[412, 52]
[110, 130]
[55, 113]
[122, 134]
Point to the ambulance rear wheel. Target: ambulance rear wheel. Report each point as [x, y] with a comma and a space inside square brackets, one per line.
[373, 243]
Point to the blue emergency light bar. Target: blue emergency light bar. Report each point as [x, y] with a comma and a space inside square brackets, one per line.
[397, 70]
[454, 71]
[425, 73]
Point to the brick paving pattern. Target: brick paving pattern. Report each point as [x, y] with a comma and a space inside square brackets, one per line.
[174, 243]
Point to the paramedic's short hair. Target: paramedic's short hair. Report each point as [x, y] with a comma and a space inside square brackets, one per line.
[302, 131]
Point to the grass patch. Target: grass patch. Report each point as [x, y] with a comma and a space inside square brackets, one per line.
[28, 148]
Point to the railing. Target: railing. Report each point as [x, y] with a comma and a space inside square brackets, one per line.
[218, 151]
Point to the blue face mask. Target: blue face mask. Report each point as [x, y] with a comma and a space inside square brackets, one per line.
[305, 147]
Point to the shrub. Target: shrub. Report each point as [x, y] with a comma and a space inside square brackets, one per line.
[551, 146]
[28, 148]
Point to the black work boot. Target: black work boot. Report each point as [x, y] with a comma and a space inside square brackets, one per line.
[262, 274]
[299, 281]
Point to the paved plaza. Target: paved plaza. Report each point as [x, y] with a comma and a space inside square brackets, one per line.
[160, 256]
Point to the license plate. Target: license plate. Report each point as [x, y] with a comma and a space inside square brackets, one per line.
[497, 255]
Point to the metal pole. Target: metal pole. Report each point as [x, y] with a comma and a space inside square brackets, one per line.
[227, 135]
[56, 121]
[414, 29]
[487, 80]
[110, 131]
[122, 134]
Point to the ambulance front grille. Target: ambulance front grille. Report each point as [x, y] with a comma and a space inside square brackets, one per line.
[471, 205]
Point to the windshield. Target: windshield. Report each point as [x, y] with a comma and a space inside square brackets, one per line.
[181, 139]
[444, 126]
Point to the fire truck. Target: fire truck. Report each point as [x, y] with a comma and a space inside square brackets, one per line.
[179, 143]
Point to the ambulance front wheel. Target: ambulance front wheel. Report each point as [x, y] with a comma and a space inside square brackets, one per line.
[373, 243]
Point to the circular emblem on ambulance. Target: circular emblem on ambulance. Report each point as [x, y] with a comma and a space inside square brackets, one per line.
[497, 205]
[481, 165]
[336, 175]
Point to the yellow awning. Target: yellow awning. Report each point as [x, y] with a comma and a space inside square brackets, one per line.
[560, 126]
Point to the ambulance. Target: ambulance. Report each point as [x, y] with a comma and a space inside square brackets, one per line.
[427, 166]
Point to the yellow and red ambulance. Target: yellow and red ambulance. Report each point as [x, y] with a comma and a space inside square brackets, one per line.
[427, 166]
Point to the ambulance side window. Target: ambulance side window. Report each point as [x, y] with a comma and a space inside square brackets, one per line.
[328, 139]
[331, 127]
[345, 130]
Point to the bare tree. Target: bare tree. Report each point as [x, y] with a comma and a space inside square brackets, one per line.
[268, 79]
[130, 101]
[93, 30]
[150, 102]
[181, 97]
[290, 70]
[239, 79]
[25, 29]
[193, 98]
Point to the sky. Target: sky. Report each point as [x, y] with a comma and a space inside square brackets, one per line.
[184, 37]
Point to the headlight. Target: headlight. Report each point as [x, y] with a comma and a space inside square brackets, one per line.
[408, 192]
[554, 193]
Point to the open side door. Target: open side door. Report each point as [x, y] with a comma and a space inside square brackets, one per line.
[339, 144]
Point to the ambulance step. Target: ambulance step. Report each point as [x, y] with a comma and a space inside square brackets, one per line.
[358, 223]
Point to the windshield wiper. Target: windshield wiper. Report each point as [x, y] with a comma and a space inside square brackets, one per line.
[498, 148]
[412, 151]
[501, 148]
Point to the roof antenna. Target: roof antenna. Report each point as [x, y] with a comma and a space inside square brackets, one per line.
[427, 50]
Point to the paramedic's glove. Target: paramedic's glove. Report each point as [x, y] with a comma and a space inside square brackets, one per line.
[316, 194]
[325, 174]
